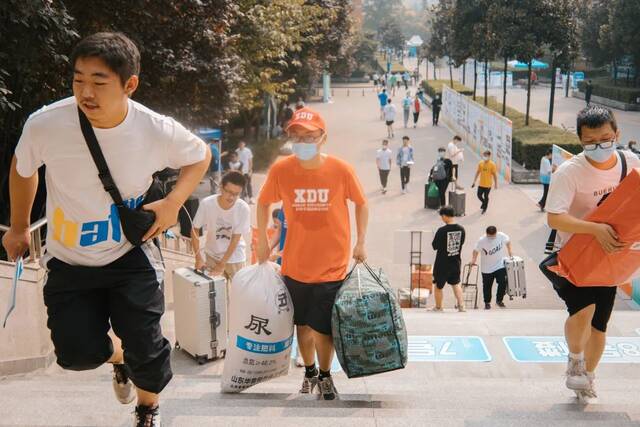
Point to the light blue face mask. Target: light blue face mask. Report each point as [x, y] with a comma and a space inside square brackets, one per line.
[601, 155]
[304, 151]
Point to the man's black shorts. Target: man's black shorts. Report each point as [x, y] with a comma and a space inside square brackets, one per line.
[389, 122]
[83, 303]
[450, 275]
[313, 303]
[577, 298]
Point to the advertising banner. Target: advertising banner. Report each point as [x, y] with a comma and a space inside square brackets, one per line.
[480, 128]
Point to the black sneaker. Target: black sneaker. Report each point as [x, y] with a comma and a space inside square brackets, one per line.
[327, 389]
[487, 306]
[145, 416]
[501, 305]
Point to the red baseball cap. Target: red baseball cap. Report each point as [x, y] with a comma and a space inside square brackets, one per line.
[308, 119]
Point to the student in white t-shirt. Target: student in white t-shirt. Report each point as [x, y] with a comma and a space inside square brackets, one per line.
[389, 112]
[97, 279]
[456, 154]
[225, 220]
[577, 187]
[245, 156]
[493, 248]
[384, 158]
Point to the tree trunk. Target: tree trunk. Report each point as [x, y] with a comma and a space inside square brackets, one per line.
[566, 89]
[504, 88]
[615, 72]
[486, 82]
[426, 74]
[553, 90]
[475, 78]
[464, 73]
[451, 74]
[526, 117]
[435, 76]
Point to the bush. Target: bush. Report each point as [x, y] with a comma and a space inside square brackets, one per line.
[531, 142]
[606, 89]
[433, 87]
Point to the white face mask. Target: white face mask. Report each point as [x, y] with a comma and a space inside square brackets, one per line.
[486, 158]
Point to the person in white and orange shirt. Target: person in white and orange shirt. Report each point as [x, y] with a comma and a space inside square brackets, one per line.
[314, 189]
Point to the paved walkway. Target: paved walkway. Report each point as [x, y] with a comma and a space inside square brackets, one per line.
[501, 392]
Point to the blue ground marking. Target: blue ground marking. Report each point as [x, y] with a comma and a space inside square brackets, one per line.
[447, 349]
[542, 349]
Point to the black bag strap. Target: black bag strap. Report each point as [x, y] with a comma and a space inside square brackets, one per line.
[98, 158]
[623, 162]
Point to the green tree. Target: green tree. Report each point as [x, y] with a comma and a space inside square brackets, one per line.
[561, 41]
[391, 36]
[35, 37]
[482, 43]
[442, 33]
[186, 52]
[505, 23]
[624, 30]
[378, 12]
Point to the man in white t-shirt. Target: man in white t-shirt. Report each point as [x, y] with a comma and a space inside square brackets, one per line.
[246, 158]
[384, 158]
[493, 248]
[225, 220]
[96, 278]
[577, 188]
[389, 113]
[456, 154]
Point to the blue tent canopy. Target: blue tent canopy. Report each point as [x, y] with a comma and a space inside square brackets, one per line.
[210, 134]
[535, 64]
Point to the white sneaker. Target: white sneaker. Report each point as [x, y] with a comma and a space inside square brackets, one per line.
[123, 388]
[299, 361]
[327, 389]
[309, 384]
[589, 396]
[577, 379]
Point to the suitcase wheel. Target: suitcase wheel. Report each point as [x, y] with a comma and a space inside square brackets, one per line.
[177, 346]
[201, 360]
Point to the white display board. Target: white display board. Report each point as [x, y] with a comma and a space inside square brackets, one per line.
[480, 128]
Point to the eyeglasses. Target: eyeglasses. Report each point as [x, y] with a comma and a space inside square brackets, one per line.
[604, 145]
[309, 139]
[230, 193]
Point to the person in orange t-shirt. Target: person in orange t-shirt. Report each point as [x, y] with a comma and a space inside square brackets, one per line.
[314, 189]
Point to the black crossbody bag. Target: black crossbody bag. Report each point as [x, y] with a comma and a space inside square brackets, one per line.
[135, 222]
[560, 282]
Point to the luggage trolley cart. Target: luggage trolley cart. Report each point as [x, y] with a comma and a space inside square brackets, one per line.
[470, 274]
[415, 259]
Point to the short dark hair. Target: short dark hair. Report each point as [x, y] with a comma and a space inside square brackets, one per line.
[385, 141]
[405, 138]
[118, 51]
[233, 177]
[487, 152]
[457, 138]
[447, 211]
[440, 149]
[389, 101]
[549, 151]
[595, 116]
[492, 230]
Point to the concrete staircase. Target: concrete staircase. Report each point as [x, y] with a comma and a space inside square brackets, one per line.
[499, 393]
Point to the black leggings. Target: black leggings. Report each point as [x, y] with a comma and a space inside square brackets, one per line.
[405, 174]
[500, 276]
[545, 192]
[442, 188]
[384, 177]
[483, 195]
[415, 117]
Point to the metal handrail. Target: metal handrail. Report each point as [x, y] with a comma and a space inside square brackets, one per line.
[36, 248]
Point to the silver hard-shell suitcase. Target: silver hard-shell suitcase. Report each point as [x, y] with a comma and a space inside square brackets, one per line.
[200, 310]
[516, 279]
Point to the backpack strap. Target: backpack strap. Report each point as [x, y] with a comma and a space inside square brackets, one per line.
[98, 158]
[623, 162]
